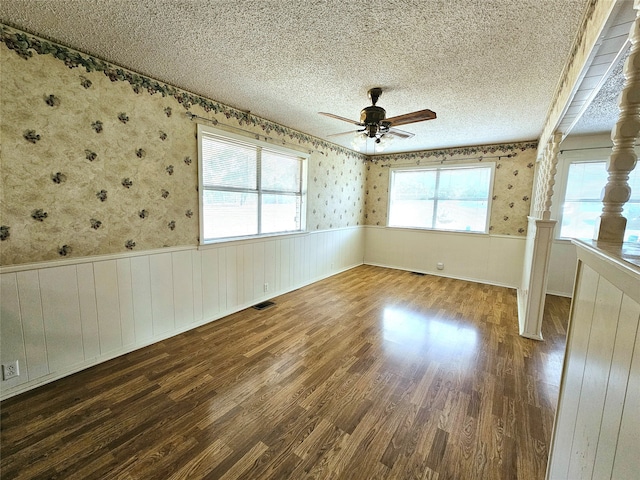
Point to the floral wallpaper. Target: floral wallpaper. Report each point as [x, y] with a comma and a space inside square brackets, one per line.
[98, 160]
[336, 193]
[512, 184]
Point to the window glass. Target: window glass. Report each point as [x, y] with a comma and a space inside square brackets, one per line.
[412, 198]
[583, 201]
[280, 173]
[444, 198]
[228, 165]
[248, 190]
[229, 214]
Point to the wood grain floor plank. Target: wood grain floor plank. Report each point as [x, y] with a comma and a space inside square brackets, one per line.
[372, 373]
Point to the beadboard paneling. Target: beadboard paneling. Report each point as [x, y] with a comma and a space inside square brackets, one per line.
[141, 290]
[489, 259]
[562, 268]
[11, 336]
[597, 419]
[61, 315]
[161, 269]
[108, 304]
[88, 310]
[59, 318]
[33, 322]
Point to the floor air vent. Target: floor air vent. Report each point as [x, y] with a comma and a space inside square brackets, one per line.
[263, 305]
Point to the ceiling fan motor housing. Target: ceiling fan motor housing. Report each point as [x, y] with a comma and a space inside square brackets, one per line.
[372, 117]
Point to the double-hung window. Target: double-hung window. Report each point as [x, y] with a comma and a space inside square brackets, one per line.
[247, 187]
[455, 198]
[583, 201]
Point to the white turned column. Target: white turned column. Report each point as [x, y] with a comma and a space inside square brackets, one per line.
[546, 178]
[535, 271]
[611, 225]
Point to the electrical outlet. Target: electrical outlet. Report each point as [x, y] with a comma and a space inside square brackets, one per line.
[10, 370]
[266, 287]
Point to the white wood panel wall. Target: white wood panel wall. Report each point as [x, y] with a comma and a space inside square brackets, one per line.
[562, 268]
[489, 259]
[598, 416]
[60, 317]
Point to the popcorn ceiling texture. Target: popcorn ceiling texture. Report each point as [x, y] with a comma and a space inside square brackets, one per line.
[91, 167]
[488, 68]
[604, 110]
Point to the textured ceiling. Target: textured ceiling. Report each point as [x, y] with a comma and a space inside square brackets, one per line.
[603, 111]
[488, 68]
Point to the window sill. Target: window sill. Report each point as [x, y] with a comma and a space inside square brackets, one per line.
[435, 230]
[249, 239]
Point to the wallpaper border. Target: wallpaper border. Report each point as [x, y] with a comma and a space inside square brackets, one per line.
[24, 44]
[457, 151]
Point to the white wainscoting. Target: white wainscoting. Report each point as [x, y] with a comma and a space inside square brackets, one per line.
[492, 259]
[597, 421]
[562, 268]
[60, 317]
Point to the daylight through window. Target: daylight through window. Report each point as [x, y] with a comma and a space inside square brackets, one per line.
[455, 198]
[583, 204]
[248, 188]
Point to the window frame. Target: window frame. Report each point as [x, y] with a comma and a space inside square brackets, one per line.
[455, 166]
[234, 138]
[595, 155]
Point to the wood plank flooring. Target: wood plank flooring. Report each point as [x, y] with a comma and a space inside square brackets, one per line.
[371, 374]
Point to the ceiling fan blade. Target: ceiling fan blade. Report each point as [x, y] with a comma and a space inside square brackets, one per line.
[419, 116]
[396, 132]
[350, 132]
[338, 117]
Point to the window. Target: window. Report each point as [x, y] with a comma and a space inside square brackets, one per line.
[248, 188]
[583, 203]
[455, 198]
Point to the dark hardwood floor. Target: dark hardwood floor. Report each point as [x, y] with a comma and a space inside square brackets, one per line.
[373, 373]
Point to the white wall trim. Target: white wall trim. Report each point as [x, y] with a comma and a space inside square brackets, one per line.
[62, 317]
[559, 294]
[598, 412]
[96, 360]
[483, 258]
[436, 274]
[54, 313]
[90, 259]
[443, 232]
[138, 253]
[262, 238]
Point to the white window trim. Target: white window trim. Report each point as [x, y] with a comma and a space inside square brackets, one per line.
[456, 166]
[204, 130]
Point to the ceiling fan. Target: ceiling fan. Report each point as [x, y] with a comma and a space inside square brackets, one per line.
[375, 124]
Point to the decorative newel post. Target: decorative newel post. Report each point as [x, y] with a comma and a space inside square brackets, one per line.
[531, 294]
[611, 224]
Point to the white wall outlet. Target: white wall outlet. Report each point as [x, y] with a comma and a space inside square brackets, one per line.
[440, 266]
[10, 370]
[266, 287]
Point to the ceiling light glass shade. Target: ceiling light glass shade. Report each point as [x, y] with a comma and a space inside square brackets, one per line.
[384, 142]
[359, 142]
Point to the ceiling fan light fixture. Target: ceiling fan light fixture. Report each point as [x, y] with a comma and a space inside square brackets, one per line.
[375, 124]
[382, 143]
[359, 141]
